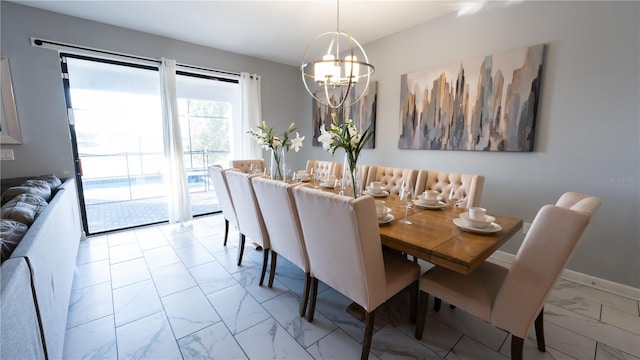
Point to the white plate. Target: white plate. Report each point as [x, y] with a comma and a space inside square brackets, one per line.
[327, 186]
[439, 205]
[488, 230]
[387, 219]
[477, 224]
[305, 179]
[381, 194]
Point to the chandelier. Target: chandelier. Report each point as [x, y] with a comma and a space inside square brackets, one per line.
[329, 78]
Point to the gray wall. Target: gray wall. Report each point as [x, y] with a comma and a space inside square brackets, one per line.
[46, 147]
[586, 138]
[589, 120]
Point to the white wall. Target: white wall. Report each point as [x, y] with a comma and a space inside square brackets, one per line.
[588, 128]
[46, 147]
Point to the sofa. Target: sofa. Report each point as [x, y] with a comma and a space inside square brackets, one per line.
[40, 238]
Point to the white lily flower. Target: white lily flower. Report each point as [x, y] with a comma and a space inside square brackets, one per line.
[355, 139]
[326, 138]
[296, 143]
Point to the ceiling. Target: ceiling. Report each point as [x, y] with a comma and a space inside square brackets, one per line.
[274, 30]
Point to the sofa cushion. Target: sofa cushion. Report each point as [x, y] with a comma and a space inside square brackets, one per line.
[23, 208]
[39, 188]
[53, 181]
[11, 232]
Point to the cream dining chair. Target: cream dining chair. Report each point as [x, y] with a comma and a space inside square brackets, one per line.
[245, 165]
[321, 169]
[345, 253]
[467, 187]
[391, 178]
[512, 299]
[280, 215]
[250, 221]
[219, 180]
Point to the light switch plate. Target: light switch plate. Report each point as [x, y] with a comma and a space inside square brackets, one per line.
[6, 154]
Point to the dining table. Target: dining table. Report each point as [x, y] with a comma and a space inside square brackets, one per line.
[433, 236]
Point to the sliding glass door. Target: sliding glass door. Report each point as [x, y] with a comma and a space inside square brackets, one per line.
[116, 122]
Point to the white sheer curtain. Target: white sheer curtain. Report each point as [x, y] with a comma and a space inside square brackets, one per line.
[251, 114]
[176, 177]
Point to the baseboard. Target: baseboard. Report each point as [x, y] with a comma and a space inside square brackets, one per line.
[505, 259]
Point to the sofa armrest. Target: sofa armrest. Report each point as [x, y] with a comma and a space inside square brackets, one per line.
[20, 336]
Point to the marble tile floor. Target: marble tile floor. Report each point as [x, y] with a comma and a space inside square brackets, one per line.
[175, 292]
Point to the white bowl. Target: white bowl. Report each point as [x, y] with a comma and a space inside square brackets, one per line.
[478, 224]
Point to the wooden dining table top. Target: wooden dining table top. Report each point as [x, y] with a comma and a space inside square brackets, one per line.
[433, 237]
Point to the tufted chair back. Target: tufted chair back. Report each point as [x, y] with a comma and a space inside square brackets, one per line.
[324, 168]
[245, 165]
[467, 187]
[392, 178]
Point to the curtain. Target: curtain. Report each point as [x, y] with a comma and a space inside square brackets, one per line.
[251, 114]
[176, 177]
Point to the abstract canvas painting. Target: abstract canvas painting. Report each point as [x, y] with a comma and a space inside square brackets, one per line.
[487, 104]
[363, 113]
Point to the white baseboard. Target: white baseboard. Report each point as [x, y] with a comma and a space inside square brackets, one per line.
[505, 259]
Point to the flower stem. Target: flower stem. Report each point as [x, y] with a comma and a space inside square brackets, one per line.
[276, 157]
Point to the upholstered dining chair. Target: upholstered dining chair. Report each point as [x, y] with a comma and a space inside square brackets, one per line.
[467, 187]
[391, 178]
[321, 168]
[219, 180]
[250, 221]
[280, 215]
[245, 165]
[343, 243]
[512, 299]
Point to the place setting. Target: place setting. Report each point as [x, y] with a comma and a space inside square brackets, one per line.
[429, 199]
[477, 221]
[329, 183]
[376, 189]
[301, 176]
[383, 213]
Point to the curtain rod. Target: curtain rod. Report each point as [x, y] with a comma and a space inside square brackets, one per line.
[48, 44]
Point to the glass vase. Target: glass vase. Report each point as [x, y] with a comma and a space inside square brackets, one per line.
[283, 164]
[275, 170]
[351, 180]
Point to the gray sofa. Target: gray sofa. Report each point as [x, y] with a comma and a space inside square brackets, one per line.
[36, 279]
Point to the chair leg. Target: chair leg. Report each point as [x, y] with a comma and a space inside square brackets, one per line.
[272, 271]
[305, 294]
[240, 249]
[436, 304]
[517, 345]
[226, 231]
[265, 259]
[423, 303]
[314, 295]
[413, 301]
[539, 325]
[369, 320]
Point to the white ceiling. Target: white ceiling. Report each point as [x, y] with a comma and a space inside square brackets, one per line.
[274, 30]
